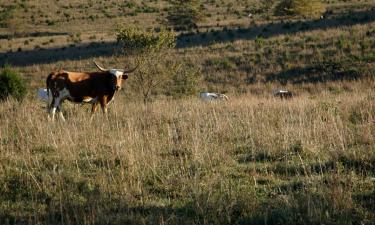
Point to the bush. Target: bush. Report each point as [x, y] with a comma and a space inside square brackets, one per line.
[185, 81]
[184, 15]
[307, 8]
[135, 40]
[150, 49]
[11, 84]
[6, 14]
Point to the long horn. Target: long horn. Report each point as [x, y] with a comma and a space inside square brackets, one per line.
[99, 67]
[132, 70]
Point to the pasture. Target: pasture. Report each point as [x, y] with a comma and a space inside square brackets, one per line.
[246, 161]
[175, 159]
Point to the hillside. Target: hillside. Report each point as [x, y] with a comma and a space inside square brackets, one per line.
[175, 159]
[238, 50]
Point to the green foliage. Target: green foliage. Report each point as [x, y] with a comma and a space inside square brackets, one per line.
[184, 15]
[222, 64]
[185, 81]
[135, 40]
[11, 84]
[6, 15]
[259, 42]
[307, 8]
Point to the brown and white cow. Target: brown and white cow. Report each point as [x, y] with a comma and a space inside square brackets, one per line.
[84, 87]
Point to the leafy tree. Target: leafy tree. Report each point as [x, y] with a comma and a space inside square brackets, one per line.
[138, 41]
[151, 49]
[184, 14]
[185, 80]
[307, 8]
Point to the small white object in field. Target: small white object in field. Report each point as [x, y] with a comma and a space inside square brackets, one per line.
[283, 93]
[208, 96]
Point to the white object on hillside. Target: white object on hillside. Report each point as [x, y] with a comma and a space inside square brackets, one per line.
[208, 96]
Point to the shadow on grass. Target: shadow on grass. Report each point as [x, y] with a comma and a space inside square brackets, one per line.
[322, 72]
[274, 29]
[73, 200]
[33, 34]
[364, 167]
[52, 55]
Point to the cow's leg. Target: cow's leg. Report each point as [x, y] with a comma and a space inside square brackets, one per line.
[50, 107]
[103, 104]
[56, 104]
[60, 113]
[94, 107]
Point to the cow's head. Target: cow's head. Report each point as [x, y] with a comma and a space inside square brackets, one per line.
[117, 75]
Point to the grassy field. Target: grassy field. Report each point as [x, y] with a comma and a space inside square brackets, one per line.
[247, 161]
[254, 159]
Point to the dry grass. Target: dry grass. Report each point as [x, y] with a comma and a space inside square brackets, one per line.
[249, 160]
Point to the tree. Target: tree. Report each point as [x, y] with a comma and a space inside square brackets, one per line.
[307, 8]
[184, 15]
[184, 81]
[151, 50]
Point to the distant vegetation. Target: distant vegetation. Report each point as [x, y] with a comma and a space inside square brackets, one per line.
[135, 40]
[184, 15]
[6, 15]
[308, 8]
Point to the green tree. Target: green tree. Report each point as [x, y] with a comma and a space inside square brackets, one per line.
[307, 8]
[151, 50]
[185, 80]
[136, 41]
[184, 15]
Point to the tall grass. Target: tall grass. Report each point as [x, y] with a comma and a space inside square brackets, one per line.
[247, 161]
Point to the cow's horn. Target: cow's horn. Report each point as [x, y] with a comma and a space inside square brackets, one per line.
[99, 67]
[132, 70]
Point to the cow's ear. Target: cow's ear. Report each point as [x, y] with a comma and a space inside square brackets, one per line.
[124, 77]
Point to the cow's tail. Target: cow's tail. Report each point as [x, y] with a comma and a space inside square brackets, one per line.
[49, 92]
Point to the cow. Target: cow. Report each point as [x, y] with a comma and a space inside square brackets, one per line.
[208, 96]
[84, 87]
[283, 94]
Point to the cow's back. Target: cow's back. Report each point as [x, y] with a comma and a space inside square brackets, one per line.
[80, 84]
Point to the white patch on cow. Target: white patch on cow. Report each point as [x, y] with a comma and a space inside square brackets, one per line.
[116, 72]
[90, 100]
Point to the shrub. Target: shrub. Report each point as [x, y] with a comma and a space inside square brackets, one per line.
[307, 8]
[184, 15]
[11, 84]
[185, 81]
[136, 40]
[6, 14]
[150, 49]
